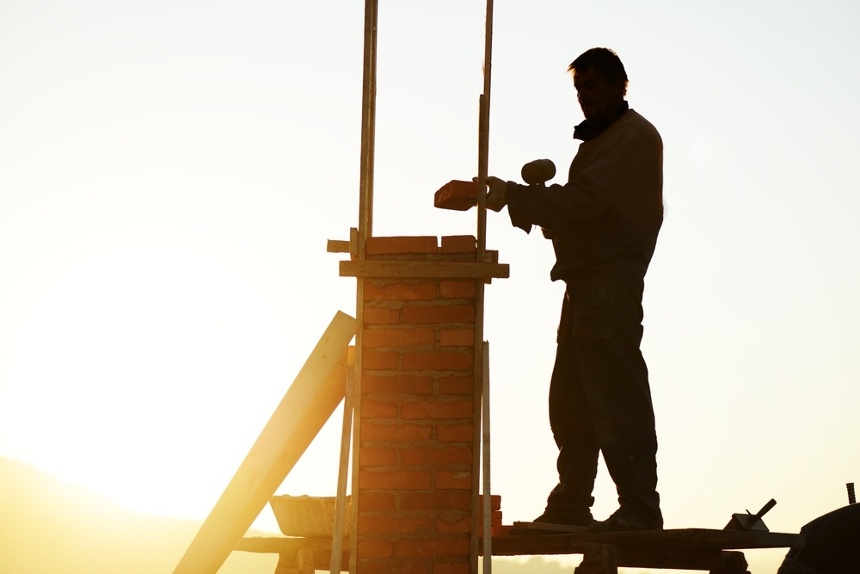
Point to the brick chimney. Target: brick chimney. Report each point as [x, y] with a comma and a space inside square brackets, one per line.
[415, 471]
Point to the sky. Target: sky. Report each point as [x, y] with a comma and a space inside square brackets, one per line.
[170, 173]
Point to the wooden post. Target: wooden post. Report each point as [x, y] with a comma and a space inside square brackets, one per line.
[481, 211]
[487, 551]
[307, 405]
[598, 559]
[340, 501]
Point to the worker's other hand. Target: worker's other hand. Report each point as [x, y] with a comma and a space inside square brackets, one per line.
[497, 196]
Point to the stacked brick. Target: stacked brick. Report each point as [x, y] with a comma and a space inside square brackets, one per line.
[416, 437]
[496, 528]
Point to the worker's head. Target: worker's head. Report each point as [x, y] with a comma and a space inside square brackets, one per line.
[600, 82]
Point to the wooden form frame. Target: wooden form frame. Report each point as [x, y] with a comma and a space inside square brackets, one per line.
[360, 268]
[421, 269]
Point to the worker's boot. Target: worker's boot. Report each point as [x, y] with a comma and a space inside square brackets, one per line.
[567, 518]
[570, 501]
[627, 518]
[636, 481]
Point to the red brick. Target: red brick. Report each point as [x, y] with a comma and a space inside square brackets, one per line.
[495, 501]
[399, 245]
[432, 548]
[451, 568]
[411, 456]
[457, 289]
[456, 194]
[399, 291]
[453, 523]
[374, 548]
[459, 244]
[377, 456]
[400, 337]
[375, 502]
[397, 384]
[372, 360]
[436, 410]
[454, 480]
[403, 525]
[378, 409]
[495, 517]
[395, 432]
[457, 337]
[438, 314]
[389, 566]
[437, 361]
[402, 480]
[456, 385]
[438, 501]
[455, 433]
[381, 316]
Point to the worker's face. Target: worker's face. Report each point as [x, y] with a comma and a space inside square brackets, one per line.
[597, 97]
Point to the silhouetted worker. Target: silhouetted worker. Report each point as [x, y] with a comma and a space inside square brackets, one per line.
[603, 224]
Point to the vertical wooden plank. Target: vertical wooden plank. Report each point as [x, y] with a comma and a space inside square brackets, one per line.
[481, 213]
[477, 415]
[365, 230]
[343, 470]
[307, 405]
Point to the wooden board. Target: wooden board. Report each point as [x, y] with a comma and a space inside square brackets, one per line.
[683, 549]
[289, 548]
[574, 542]
[308, 404]
[424, 269]
[525, 528]
[697, 538]
[679, 549]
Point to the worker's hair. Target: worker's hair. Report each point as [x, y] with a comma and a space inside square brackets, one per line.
[605, 61]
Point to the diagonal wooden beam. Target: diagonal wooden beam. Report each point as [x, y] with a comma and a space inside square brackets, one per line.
[309, 402]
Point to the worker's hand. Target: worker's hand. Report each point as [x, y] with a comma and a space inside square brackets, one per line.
[497, 196]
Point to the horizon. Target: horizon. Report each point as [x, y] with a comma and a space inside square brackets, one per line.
[105, 514]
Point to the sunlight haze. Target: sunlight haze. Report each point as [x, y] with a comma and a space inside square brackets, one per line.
[170, 173]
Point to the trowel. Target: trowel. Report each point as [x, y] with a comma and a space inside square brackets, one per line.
[750, 521]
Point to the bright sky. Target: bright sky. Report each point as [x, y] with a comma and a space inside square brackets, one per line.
[170, 172]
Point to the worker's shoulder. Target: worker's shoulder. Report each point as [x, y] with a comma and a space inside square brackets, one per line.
[634, 123]
[634, 120]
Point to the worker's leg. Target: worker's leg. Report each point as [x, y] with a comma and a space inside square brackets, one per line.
[607, 327]
[570, 501]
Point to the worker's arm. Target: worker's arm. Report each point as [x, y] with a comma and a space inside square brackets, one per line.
[626, 162]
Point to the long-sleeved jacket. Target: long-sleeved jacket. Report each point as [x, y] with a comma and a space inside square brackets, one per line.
[608, 214]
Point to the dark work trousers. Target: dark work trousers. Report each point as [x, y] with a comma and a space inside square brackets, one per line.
[599, 398]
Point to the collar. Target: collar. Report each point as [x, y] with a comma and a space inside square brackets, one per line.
[590, 129]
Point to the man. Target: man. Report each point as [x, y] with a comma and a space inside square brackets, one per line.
[603, 224]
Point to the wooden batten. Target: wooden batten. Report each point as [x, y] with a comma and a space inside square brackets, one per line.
[424, 269]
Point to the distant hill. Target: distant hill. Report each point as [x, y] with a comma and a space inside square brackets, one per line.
[51, 527]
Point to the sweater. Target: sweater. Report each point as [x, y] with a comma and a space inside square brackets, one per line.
[609, 213]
